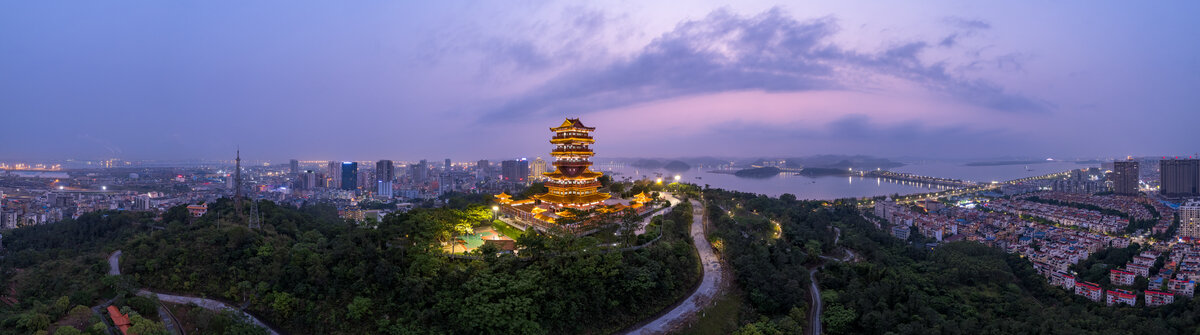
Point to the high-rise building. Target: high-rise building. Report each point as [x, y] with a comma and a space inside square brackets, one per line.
[537, 169]
[333, 175]
[419, 172]
[483, 169]
[1125, 177]
[448, 165]
[573, 184]
[295, 167]
[349, 176]
[1189, 219]
[1179, 178]
[308, 180]
[514, 170]
[384, 175]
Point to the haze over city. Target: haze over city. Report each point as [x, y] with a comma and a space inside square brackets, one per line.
[311, 80]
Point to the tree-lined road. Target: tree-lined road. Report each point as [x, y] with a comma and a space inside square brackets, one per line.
[114, 269]
[708, 286]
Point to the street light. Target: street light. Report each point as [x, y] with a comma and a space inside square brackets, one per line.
[495, 209]
[677, 177]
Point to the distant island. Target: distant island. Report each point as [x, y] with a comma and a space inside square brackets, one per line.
[1002, 163]
[677, 166]
[762, 172]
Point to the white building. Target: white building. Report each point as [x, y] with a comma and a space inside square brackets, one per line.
[1189, 219]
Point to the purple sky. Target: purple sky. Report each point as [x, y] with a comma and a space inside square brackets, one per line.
[467, 80]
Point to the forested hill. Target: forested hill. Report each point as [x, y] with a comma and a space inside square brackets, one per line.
[308, 272]
[898, 288]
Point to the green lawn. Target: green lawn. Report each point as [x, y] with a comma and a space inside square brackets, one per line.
[507, 230]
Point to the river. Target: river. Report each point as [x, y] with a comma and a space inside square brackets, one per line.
[825, 188]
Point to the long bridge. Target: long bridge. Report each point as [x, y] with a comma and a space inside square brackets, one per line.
[909, 177]
[976, 187]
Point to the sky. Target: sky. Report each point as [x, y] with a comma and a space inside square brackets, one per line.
[406, 80]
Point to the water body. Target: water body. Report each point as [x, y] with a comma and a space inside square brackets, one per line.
[833, 187]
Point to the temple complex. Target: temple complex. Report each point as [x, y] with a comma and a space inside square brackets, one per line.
[573, 184]
[573, 188]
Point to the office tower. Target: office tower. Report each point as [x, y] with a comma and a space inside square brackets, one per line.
[295, 167]
[333, 175]
[1179, 178]
[1125, 177]
[384, 175]
[1189, 219]
[349, 176]
[448, 165]
[537, 169]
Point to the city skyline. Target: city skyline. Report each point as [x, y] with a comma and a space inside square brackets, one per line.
[705, 79]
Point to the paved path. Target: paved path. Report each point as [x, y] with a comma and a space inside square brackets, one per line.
[208, 304]
[114, 268]
[814, 313]
[704, 293]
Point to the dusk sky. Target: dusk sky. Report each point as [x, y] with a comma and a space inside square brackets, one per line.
[405, 80]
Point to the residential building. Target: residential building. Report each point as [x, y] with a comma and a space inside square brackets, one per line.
[294, 167]
[1189, 219]
[1179, 178]
[514, 170]
[1181, 287]
[1121, 277]
[483, 169]
[1089, 290]
[1119, 296]
[1125, 177]
[1062, 279]
[197, 210]
[1157, 298]
[385, 173]
[333, 175]
[537, 169]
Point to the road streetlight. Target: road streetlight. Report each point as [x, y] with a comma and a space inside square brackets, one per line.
[677, 177]
[495, 210]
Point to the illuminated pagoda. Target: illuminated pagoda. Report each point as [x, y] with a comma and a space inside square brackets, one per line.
[572, 184]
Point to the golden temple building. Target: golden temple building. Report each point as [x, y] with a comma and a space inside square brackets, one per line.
[573, 184]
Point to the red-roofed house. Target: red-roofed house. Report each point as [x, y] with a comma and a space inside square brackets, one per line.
[119, 320]
[1121, 277]
[1089, 290]
[1066, 281]
[1156, 298]
[1119, 296]
[1181, 287]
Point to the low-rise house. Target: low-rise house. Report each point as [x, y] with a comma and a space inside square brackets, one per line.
[1119, 296]
[1089, 290]
[1121, 277]
[1157, 298]
[1181, 287]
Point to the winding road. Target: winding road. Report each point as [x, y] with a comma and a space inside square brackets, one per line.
[705, 292]
[814, 314]
[114, 269]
